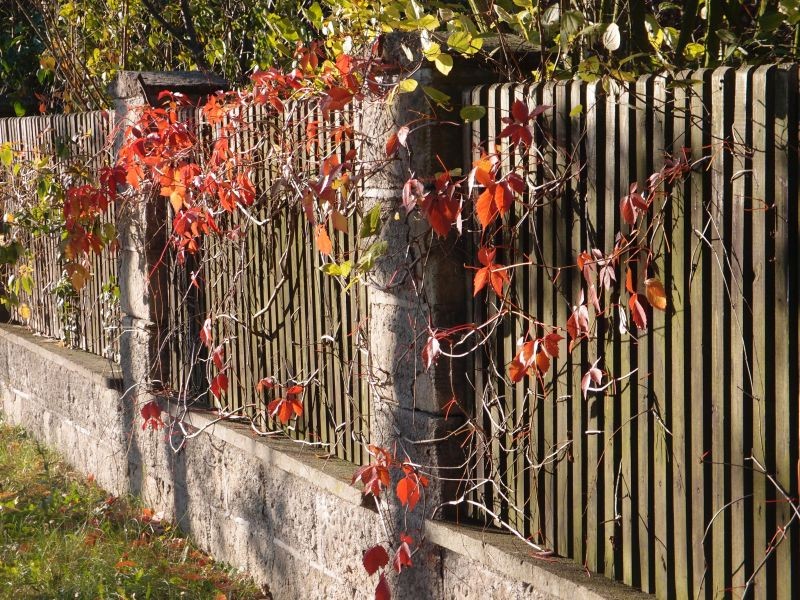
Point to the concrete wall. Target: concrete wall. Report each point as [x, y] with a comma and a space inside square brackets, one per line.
[269, 506]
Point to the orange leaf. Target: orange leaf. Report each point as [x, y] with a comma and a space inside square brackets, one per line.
[656, 296]
[392, 144]
[323, 241]
[486, 208]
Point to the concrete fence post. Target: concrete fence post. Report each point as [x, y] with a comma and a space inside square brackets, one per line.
[143, 233]
[419, 286]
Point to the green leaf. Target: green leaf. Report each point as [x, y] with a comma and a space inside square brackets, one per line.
[770, 21]
[727, 36]
[571, 22]
[314, 15]
[472, 113]
[444, 63]
[576, 111]
[460, 41]
[438, 97]
[371, 223]
[373, 253]
[19, 110]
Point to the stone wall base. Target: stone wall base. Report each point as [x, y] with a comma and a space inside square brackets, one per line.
[271, 507]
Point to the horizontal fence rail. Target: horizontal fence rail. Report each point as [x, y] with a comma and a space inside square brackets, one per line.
[74, 146]
[656, 481]
[275, 312]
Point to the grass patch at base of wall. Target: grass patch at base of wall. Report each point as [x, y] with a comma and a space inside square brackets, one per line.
[62, 536]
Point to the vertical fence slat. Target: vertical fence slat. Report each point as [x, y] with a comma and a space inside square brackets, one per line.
[786, 91]
[677, 293]
[739, 366]
[645, 433]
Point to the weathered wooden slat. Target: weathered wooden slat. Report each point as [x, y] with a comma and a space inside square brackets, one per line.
[645, 419]
[785, 195]
[607, 402]
[740, 367]
[719, 317]
[626, 392]
[596, 106]
[676, 283]
[660, 364]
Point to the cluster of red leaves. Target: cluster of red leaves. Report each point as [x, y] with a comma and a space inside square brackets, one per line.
[490, 273]
[517, 128]
[498, 194]
[533, 356]
[377, 475]
[377, 558]
[442, 206]
[285, 407]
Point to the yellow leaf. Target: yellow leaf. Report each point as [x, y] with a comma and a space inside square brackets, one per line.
[24, 311]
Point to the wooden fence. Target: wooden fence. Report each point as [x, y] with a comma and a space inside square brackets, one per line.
[277, 313]
[74, 146]
[652, 481]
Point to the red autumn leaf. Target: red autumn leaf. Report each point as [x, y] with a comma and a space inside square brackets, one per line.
[151, 413]
[520, 134]
[637, 312]
[515, 183]
[430, 353]
[402, 557]
[218, 356]
[324, 244]
[206, 336]
[392, 145]
[374, 477]
[550, 343]
[337, 99]
[344, 63]
[524, 359]
[266, 383]
[629, 282]
[375, 558]
[578, 324]
[628, 210]
[442, 206]
[491, 272]
[408, 489]
[486, 208]
[542, 362]
[519, 110]
[285, 408]
[503, 197]
[219, 385]
[382, 591]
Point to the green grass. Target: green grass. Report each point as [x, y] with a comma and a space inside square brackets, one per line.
[61, 536]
